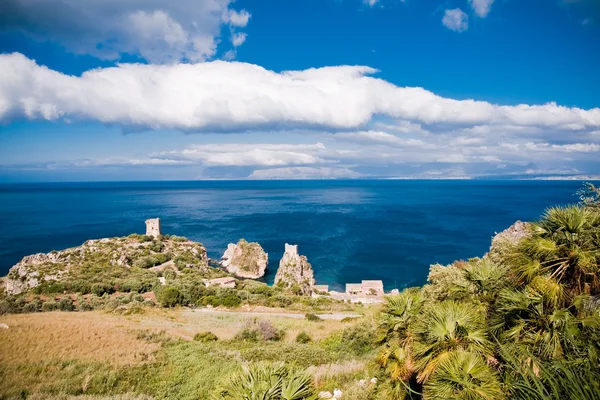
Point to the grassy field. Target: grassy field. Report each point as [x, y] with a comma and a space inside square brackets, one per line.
[58, 354]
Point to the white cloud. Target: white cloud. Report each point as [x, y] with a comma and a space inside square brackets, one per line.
[456, 20]
[370, 3]
[481, 7]
[236, 18]
[159, 31]
[233, 96]
[304, 173]
[249, 154]
[237, 39]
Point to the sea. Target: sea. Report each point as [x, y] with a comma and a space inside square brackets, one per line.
[391, 230]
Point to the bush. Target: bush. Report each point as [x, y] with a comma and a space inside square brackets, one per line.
[156, 246]
[170, 297]
[303, 337]
[30, 308]
[49, 306]
[358, 338]
[255, 330]
[313, 317]
[66, 304]
[205, 337]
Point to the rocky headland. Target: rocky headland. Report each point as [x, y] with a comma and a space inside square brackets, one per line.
[115, 254]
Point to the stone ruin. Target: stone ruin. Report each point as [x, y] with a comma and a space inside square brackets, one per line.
[153, 227]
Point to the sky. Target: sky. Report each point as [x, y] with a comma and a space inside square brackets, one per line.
[106, 90]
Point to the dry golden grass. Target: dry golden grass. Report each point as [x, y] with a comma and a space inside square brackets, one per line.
[99, 336]
[61, 336]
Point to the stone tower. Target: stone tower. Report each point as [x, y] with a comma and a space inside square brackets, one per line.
[153, 227]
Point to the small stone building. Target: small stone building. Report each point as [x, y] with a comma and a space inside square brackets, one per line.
[366, 288]
[153, 227]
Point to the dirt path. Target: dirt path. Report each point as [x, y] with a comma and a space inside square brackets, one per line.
[331, 316]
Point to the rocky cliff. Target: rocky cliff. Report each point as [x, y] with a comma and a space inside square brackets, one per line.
[115, 254]
[508, 238]
[246, 260]
[295, 272]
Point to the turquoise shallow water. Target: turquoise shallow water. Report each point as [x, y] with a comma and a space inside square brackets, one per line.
[349, 230]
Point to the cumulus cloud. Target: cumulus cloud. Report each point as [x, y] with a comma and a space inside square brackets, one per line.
[231, 96]
[456, 20]
[481, 7]
[159, 31]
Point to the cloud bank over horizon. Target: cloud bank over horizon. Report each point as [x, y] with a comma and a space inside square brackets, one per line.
[359, 122]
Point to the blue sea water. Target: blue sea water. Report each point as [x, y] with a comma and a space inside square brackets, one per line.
[349, 230]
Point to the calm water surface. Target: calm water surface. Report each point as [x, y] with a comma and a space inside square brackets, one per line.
[349, 230]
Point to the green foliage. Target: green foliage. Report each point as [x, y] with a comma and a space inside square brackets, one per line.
[170, 297]
[267, 382]
[313, 317]
[255, 330]
[205, 337]
[65, 304]
[303, 337]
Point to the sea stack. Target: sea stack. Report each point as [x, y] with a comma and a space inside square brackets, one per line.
[245, 260]
[295, 272]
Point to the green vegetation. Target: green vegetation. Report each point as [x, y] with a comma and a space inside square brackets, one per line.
[523, 322]
[268, 382]
[205, 337]
[525, 327]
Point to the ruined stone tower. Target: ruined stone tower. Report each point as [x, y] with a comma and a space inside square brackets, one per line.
[153, 227]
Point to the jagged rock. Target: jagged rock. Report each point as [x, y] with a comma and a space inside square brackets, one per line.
[295, 272]
[246, 260]
[508, 238]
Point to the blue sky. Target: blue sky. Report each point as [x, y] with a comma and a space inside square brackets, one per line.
[106, 90]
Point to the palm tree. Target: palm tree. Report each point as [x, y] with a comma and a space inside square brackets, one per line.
[447, 327]
[463, 375]
[267, 382]
[565, 245]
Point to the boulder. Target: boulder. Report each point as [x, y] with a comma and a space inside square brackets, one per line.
[245, 260]
[295, 272]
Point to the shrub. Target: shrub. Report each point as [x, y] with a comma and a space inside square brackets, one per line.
[85, 306]
[30, 308]
[255, 330]
[303, 337]
[170, 297]
[156, 246]
[359, 338]
[313, 317]
[49, 306]
[205, 337]
[66, 304]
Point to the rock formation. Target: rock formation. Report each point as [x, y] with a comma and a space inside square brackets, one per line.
[295, 272]
[246, 260]
[505, 240]
[125, 252]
